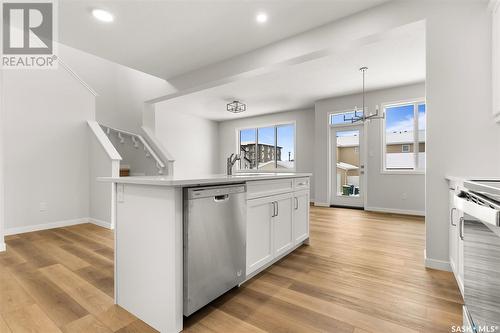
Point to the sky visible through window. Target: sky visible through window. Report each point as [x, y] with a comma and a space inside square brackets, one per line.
[247, 135]
[266, 135]
[286, 140]
[400, 118]
[338, 118]
[421, 117]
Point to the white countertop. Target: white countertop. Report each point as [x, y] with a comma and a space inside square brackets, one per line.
[464, 178]
[201, 180]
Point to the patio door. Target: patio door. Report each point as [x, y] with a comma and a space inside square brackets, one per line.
[347, 166]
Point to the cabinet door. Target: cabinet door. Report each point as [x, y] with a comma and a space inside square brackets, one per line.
[259, 233]
[300, 216]
[282, 222]
[453, 233]
[460, 255]
[495, 7]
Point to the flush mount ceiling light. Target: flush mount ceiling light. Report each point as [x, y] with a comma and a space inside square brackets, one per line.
[236, 107]
[102, 15]
[261, 18]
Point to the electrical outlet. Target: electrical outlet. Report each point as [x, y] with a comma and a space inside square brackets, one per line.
[404, 196]
[43, 206]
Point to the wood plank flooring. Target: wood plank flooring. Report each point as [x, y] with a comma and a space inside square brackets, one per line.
[363, 272]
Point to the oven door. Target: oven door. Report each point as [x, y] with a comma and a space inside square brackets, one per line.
[481, 272]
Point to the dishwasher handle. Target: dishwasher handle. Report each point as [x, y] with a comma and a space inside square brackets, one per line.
[217, 192]
[222, 197]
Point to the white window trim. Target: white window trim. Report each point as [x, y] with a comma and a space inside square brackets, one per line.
[415, 102]
[261, 125]
[403, 150]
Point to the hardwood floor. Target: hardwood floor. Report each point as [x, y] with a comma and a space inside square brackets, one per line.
[61, 280]
[363, 272]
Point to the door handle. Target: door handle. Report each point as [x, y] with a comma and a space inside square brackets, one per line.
[461, 228]
[277, 208]
[296, 203]
[451, 216]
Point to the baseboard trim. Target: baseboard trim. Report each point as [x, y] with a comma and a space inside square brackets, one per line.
[438, 264]
[100, 223]
[45, 226]
[395, 211]
[321, 204]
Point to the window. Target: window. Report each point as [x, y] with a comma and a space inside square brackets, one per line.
[343, 118]
[268, 148]
[404, 129]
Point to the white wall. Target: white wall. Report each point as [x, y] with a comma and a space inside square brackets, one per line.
[46, 148]
[304, 132]
[122, 90]
[462, 137]
[385, 191]
[461, 134]
[192, 141]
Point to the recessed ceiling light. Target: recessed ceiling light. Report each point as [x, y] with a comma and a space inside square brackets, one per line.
[102, 15]
[261, 18]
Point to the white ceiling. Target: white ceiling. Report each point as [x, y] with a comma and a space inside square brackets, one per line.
[171, 37]
[395, 60]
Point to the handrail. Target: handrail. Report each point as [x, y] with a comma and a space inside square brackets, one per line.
[159, 163]
[104, 141]
[76, 76]
[151, 138]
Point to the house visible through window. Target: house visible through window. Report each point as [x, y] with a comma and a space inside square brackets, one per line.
[404, 129]
[267, 148]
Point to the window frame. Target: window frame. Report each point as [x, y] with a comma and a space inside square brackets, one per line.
[262, 125]
[403, 150]
[416, 102]
[330, 114]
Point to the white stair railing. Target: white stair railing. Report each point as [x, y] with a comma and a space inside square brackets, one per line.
[137, 140]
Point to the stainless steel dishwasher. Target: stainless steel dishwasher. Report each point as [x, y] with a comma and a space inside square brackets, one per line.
[214, 243]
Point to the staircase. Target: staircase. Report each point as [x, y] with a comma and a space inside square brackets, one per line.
[138, 157]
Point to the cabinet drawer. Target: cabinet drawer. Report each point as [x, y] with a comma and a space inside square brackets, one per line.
[301, 183]
[263, 188]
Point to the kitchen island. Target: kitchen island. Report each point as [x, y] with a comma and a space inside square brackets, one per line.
[149, 235]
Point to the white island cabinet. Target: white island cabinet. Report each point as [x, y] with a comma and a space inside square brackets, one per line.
[277, 220]
[149, 236]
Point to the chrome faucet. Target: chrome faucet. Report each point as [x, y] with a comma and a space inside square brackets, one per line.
[231, 160]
